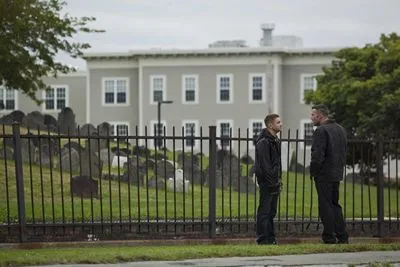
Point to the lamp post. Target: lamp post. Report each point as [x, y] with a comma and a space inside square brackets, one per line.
[159, 129]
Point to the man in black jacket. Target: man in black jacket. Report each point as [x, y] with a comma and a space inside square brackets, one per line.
[328, 157]
[268, 172]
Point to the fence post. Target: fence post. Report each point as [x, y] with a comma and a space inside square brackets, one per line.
[19, 176]
[212, 169]
[380, 185]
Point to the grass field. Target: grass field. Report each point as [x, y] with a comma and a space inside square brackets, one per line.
[298, 199]
[103, 255]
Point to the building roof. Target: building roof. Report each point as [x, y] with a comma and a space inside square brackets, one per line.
[220, 51]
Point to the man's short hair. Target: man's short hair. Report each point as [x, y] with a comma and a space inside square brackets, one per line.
[270, 118]
[322, 108]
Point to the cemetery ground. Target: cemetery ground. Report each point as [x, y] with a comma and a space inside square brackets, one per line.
[48, 198]
[120, 253]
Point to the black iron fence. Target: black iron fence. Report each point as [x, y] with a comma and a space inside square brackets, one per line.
[89, 185]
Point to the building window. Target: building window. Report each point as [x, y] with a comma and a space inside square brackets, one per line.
[119, 129]
[224, 132]
[257, 86]
[158, 88]
[7, 99]
[308, 84]
[115, 91]
[190, 89]
[56, 98]
[190, 130]
[225, 88]
[158, 132]
[256, 127]
[306, 130]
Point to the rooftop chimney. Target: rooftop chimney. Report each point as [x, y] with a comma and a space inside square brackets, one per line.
[267, 29]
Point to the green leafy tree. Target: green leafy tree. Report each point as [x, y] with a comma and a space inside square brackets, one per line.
[32, 33]
[362, 89]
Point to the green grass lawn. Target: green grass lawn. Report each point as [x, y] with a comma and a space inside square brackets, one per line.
[102, 255]
[298, 197]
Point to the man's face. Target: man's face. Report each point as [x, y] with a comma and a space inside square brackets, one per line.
[276, 125]
[316, 117]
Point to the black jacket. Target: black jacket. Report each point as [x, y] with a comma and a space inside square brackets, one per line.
[328, 152]
[268, 160]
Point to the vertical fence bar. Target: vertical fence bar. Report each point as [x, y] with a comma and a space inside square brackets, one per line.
[19, 175]
[380, 194]
[211, 177]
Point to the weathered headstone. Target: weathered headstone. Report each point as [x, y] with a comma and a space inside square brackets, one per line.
[245, 185]
[69, 160]
[91, 164]
[28, 151]
[74, 145]
[34, 120]
[134, 172]
[66, 120]
[88, 129]
[104, 131]
[84, 186]
[106, 156]
[44, 155]
[17, 115]
[164, 168]
[119, 161]
[6, 153]
[7, 119]
[51, 122]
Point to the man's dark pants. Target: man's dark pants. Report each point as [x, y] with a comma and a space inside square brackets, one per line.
[330, 212]
[265, 215]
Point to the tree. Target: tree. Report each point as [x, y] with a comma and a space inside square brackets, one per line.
[362, 89]
[32, 33]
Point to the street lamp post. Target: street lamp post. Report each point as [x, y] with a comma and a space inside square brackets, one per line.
[159, 129]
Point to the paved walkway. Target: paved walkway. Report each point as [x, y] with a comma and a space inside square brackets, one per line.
[325, 259]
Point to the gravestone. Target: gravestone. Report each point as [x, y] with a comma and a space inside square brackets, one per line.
[134, 172]
[119, 161]
[51, 122]
[6, 153]
[17, 115]
[178, 183]
[84, 186]
[28, 151]
[91, 164]
[34, 120]
[66, 120]
[44, 155]
[230, 171]
[69, 160]
[165, 168]
[88, 129]
[7, 119]
[94, 143]
[158, 183]
[245, 185]
[106, 157]
[140, 151]
[74, 145]
[104, 131]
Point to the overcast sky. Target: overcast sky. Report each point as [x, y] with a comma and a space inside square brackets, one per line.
[141, 24]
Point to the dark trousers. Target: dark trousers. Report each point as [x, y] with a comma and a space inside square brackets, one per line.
[265, 215]
[330, 212]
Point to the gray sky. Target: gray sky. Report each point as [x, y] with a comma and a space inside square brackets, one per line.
[141, 24]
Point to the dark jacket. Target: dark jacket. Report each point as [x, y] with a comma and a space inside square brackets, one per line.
[328, 152]
[268, 160]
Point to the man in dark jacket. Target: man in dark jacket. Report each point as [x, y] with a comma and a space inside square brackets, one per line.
[328, 157]
[268, 173]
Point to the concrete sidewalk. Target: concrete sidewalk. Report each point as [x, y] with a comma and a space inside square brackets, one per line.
[324, 259]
